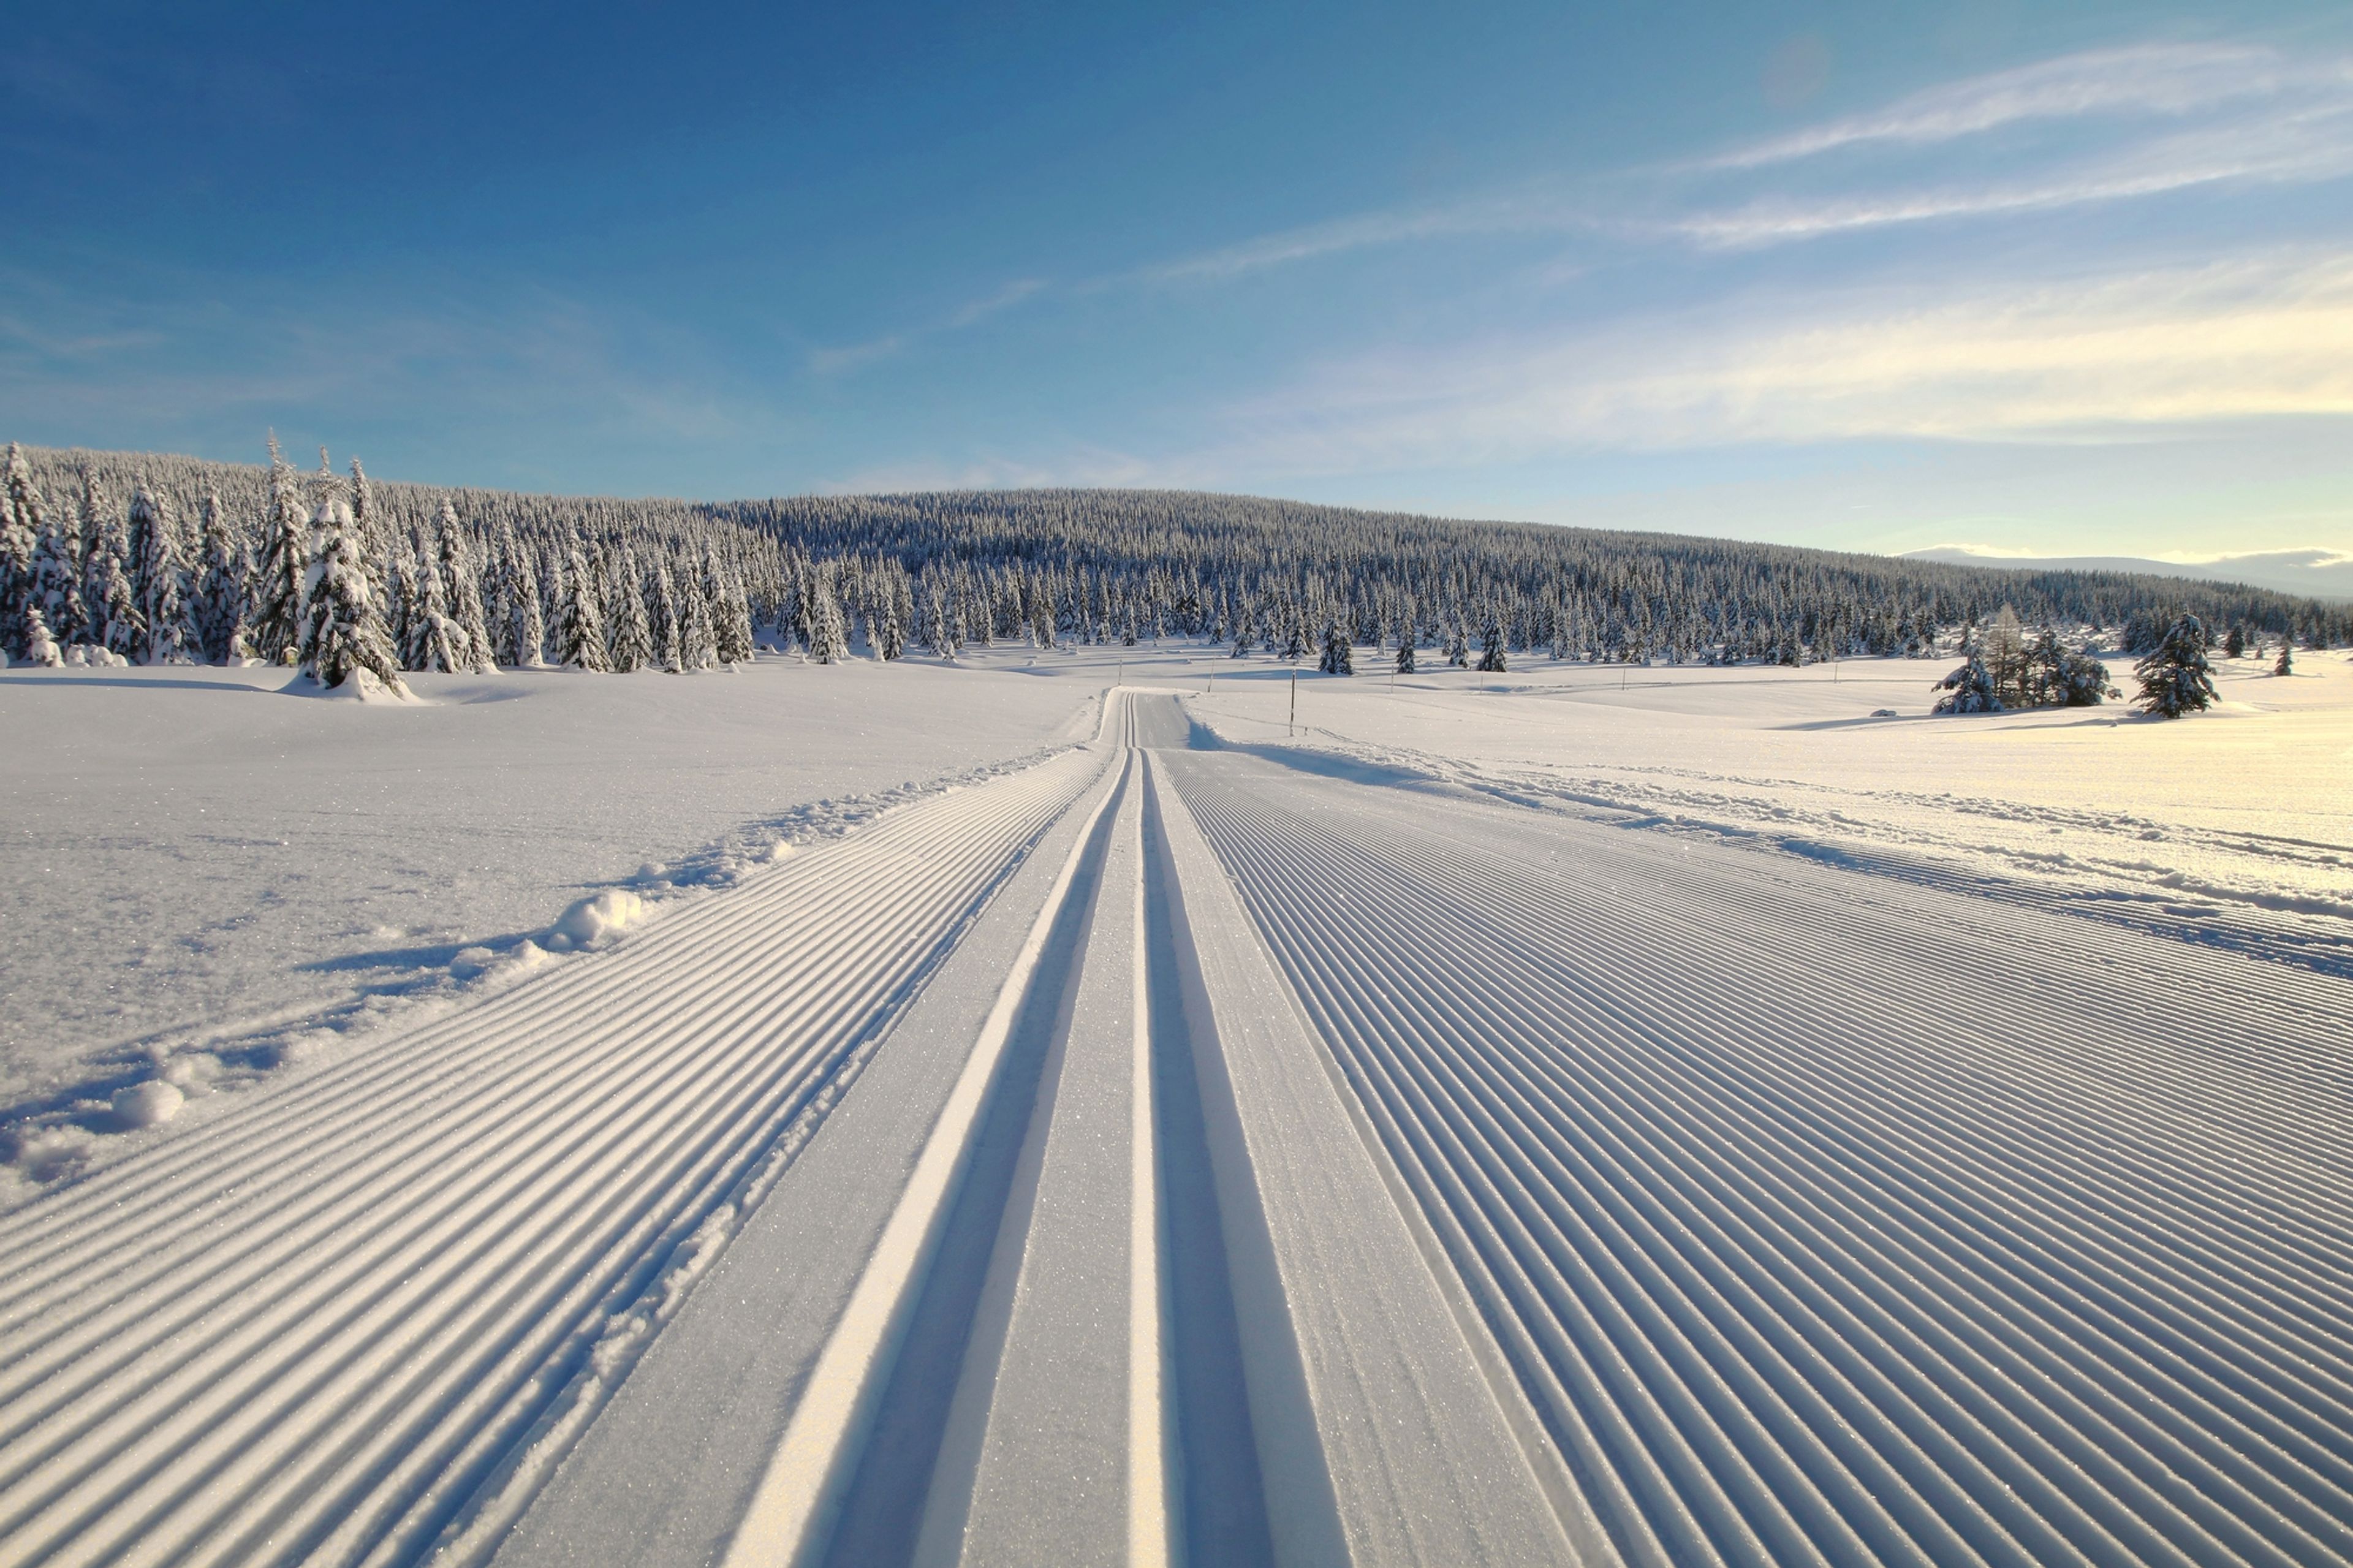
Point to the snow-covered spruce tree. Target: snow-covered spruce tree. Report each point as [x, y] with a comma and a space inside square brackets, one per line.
[1405, 648]
[1490, 644]
[107, 595]
[2234, 642]
[1458, 643]
[698, 647]
[521, 629]
[370, 529]
[461, 584]
[56, 586]
[343, 642]
[580, 619]
[435, 643]
[663, 618]
[2060, 678]
[159, 581]
[940, 631]
[630, 639]
[1337, 657]
[1971, 687]
[2175, 678]
[731, 615]
[277, 625]
[828, 639]
[21, 523]
[218, 611]
[34, 644]
[2285, 663]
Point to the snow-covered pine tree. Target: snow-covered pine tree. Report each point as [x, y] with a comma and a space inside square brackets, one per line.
[218, 610]
[2175, 678]
[697, 643]
[1971, 687]
[897, 611]
[1458, 643]
[35, 646]
[663, 618]
[829, 639]
[107, 596]
[1491, 644]
[435, 641]
[630, 640]
[1337, 657]
[731, 615]
[56, 585]
[277, 628]
[940, 632]
[21, 524]
[580, 620]
[369, 531]
[461, 584]
[522, 631]
[2285, 663]
[343, 641]
[2234, 642]
[159, 580]
[1405, 648]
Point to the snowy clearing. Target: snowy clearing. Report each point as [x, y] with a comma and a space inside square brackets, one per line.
[1511, 1120]
[204, 877]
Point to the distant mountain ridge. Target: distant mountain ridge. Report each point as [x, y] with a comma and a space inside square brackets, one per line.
[2313, 573]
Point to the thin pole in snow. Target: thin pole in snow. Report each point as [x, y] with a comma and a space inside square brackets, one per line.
[1294, 699]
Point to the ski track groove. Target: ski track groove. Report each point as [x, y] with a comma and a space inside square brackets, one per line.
[1814, 1281]
[209, 1362]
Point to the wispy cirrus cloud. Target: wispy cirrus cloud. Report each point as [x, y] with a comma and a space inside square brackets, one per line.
[2173, 117]
[851, 356]
[2149, 79]
[2042, 362]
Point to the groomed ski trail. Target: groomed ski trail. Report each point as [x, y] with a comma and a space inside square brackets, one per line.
[323, 1326]
[1141, 1296]
[1827, 1223]
[1243, 1165]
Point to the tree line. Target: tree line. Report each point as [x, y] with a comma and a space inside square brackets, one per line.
[120, 556]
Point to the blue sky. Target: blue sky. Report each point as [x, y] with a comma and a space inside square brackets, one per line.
[2054, 280]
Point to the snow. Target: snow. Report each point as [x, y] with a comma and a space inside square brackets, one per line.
[2236, 824]
[1679, 1115]
[198, 866]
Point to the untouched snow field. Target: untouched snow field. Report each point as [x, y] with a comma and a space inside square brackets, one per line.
[1511, 1120]
[204, 874]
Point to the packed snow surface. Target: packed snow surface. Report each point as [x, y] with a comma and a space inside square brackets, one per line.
[1666, 1116]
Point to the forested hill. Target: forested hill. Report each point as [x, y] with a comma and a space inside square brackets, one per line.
[936, 570]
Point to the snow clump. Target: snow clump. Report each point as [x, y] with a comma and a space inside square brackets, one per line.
[148, 1104]
[593, 919]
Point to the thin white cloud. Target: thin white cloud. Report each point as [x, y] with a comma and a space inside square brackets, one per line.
[2224, 113]
[2148, 79]
[2107, 358]
[851, 356]
[1530, 212]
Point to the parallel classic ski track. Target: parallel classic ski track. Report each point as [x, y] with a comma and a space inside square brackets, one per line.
[312, 1328]
[1804, 1259]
